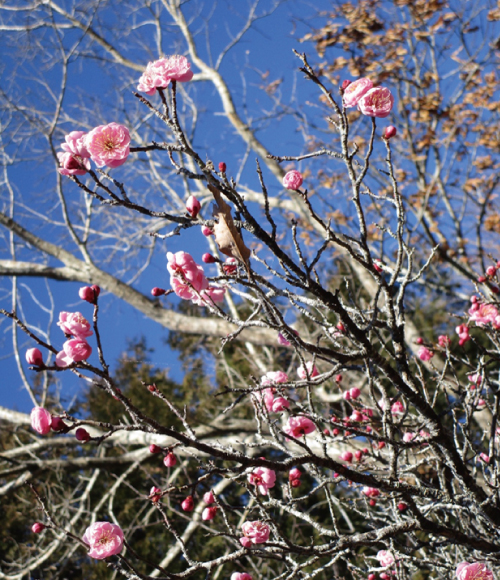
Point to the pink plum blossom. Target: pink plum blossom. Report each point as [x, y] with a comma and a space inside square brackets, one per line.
[385, 558]
[186, 276]
[311, 370]
[443, 340]
[74, 350]
[475, 571]
[108, 145]
[424, 354]
[75, 324]
[104, 539]
[298, 426]
[34, 357]
[377, 102]
[209, 296]
[483, 314]
[74, 159]
[41, 420]
[274, 377]
[408, 437]
[255, 532]
[279, 405]
[241, 576]
[70, 164]
[484, 457]
[263, 478]
[159, 73]
[355, 91]
[293, 180]
[397, 408]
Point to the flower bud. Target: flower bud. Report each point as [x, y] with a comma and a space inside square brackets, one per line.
[345, 84]
[373, 502]
[209, 513]
[58, 424]
[358, 455]
[371, 576]
[230, 266]
[208, 497]
[155, 494]
[158, 291]
[346, 456]
[34, 357]
[491, 271]
[295, 482]
[188, 504]
[293, 180]
[154, 448]
[402, 506]
[390, 132]
[338, 378]
[89, 293]
[82, 435]
[481, 279]
[206, 231]
[170, 460]
[355, 392]
[222, 167]
[381, 444]
[37, 528]
[295, 473]
[193, 206]
[347, 396]
[208, 259]
[340, 327]
[326, 431]
[41, 420]
[419, 340]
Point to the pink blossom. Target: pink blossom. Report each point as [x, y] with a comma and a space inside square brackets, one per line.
[298, 426]
[75, 324]
[483, 314]
[109, 145]
[74, 158]
[74, 350]
[443, 340]
[311, 370]
[209, 513]
[408, 437]
[476, 379]
[70, 164]
[371, 491]
[377, 102]
[255, 532]
[279, 405]
[41, 420]
[104, 539]
[463, 334]
[385, 558]
[187, 277]
[230, 266]
[397, 408]
[475, 571]
[263, 478]
[424, 354]
[293, 180]
[274, 377]
[355, 91]
[210, 296]
[159, 73]
[34, 357]
[241, 576]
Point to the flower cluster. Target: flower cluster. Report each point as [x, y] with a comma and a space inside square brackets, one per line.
[159, 73]
[274, 404]
[76, 349]
[263, 478]
[370, 100]
[189, 282]
[106, 145]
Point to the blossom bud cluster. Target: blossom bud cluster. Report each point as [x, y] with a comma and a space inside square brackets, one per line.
[160, 73]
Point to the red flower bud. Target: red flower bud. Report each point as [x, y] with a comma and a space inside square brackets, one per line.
[295, 483]
[89, 293]
[170, 460]
[208, 258]
[154, 448]
[481, 279]
[491, 270]
[158, 291]
[209, 513]
[193, 206]
[345, 84]
[188, 504]
[206, 231]
[37, 527]
[222, 167]
[373, 502]
[420, 340]
[34, 357]
[402, 506]
[82, 435]
[390, 132]
[152, 388]
[58, 424]
[155, 494]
